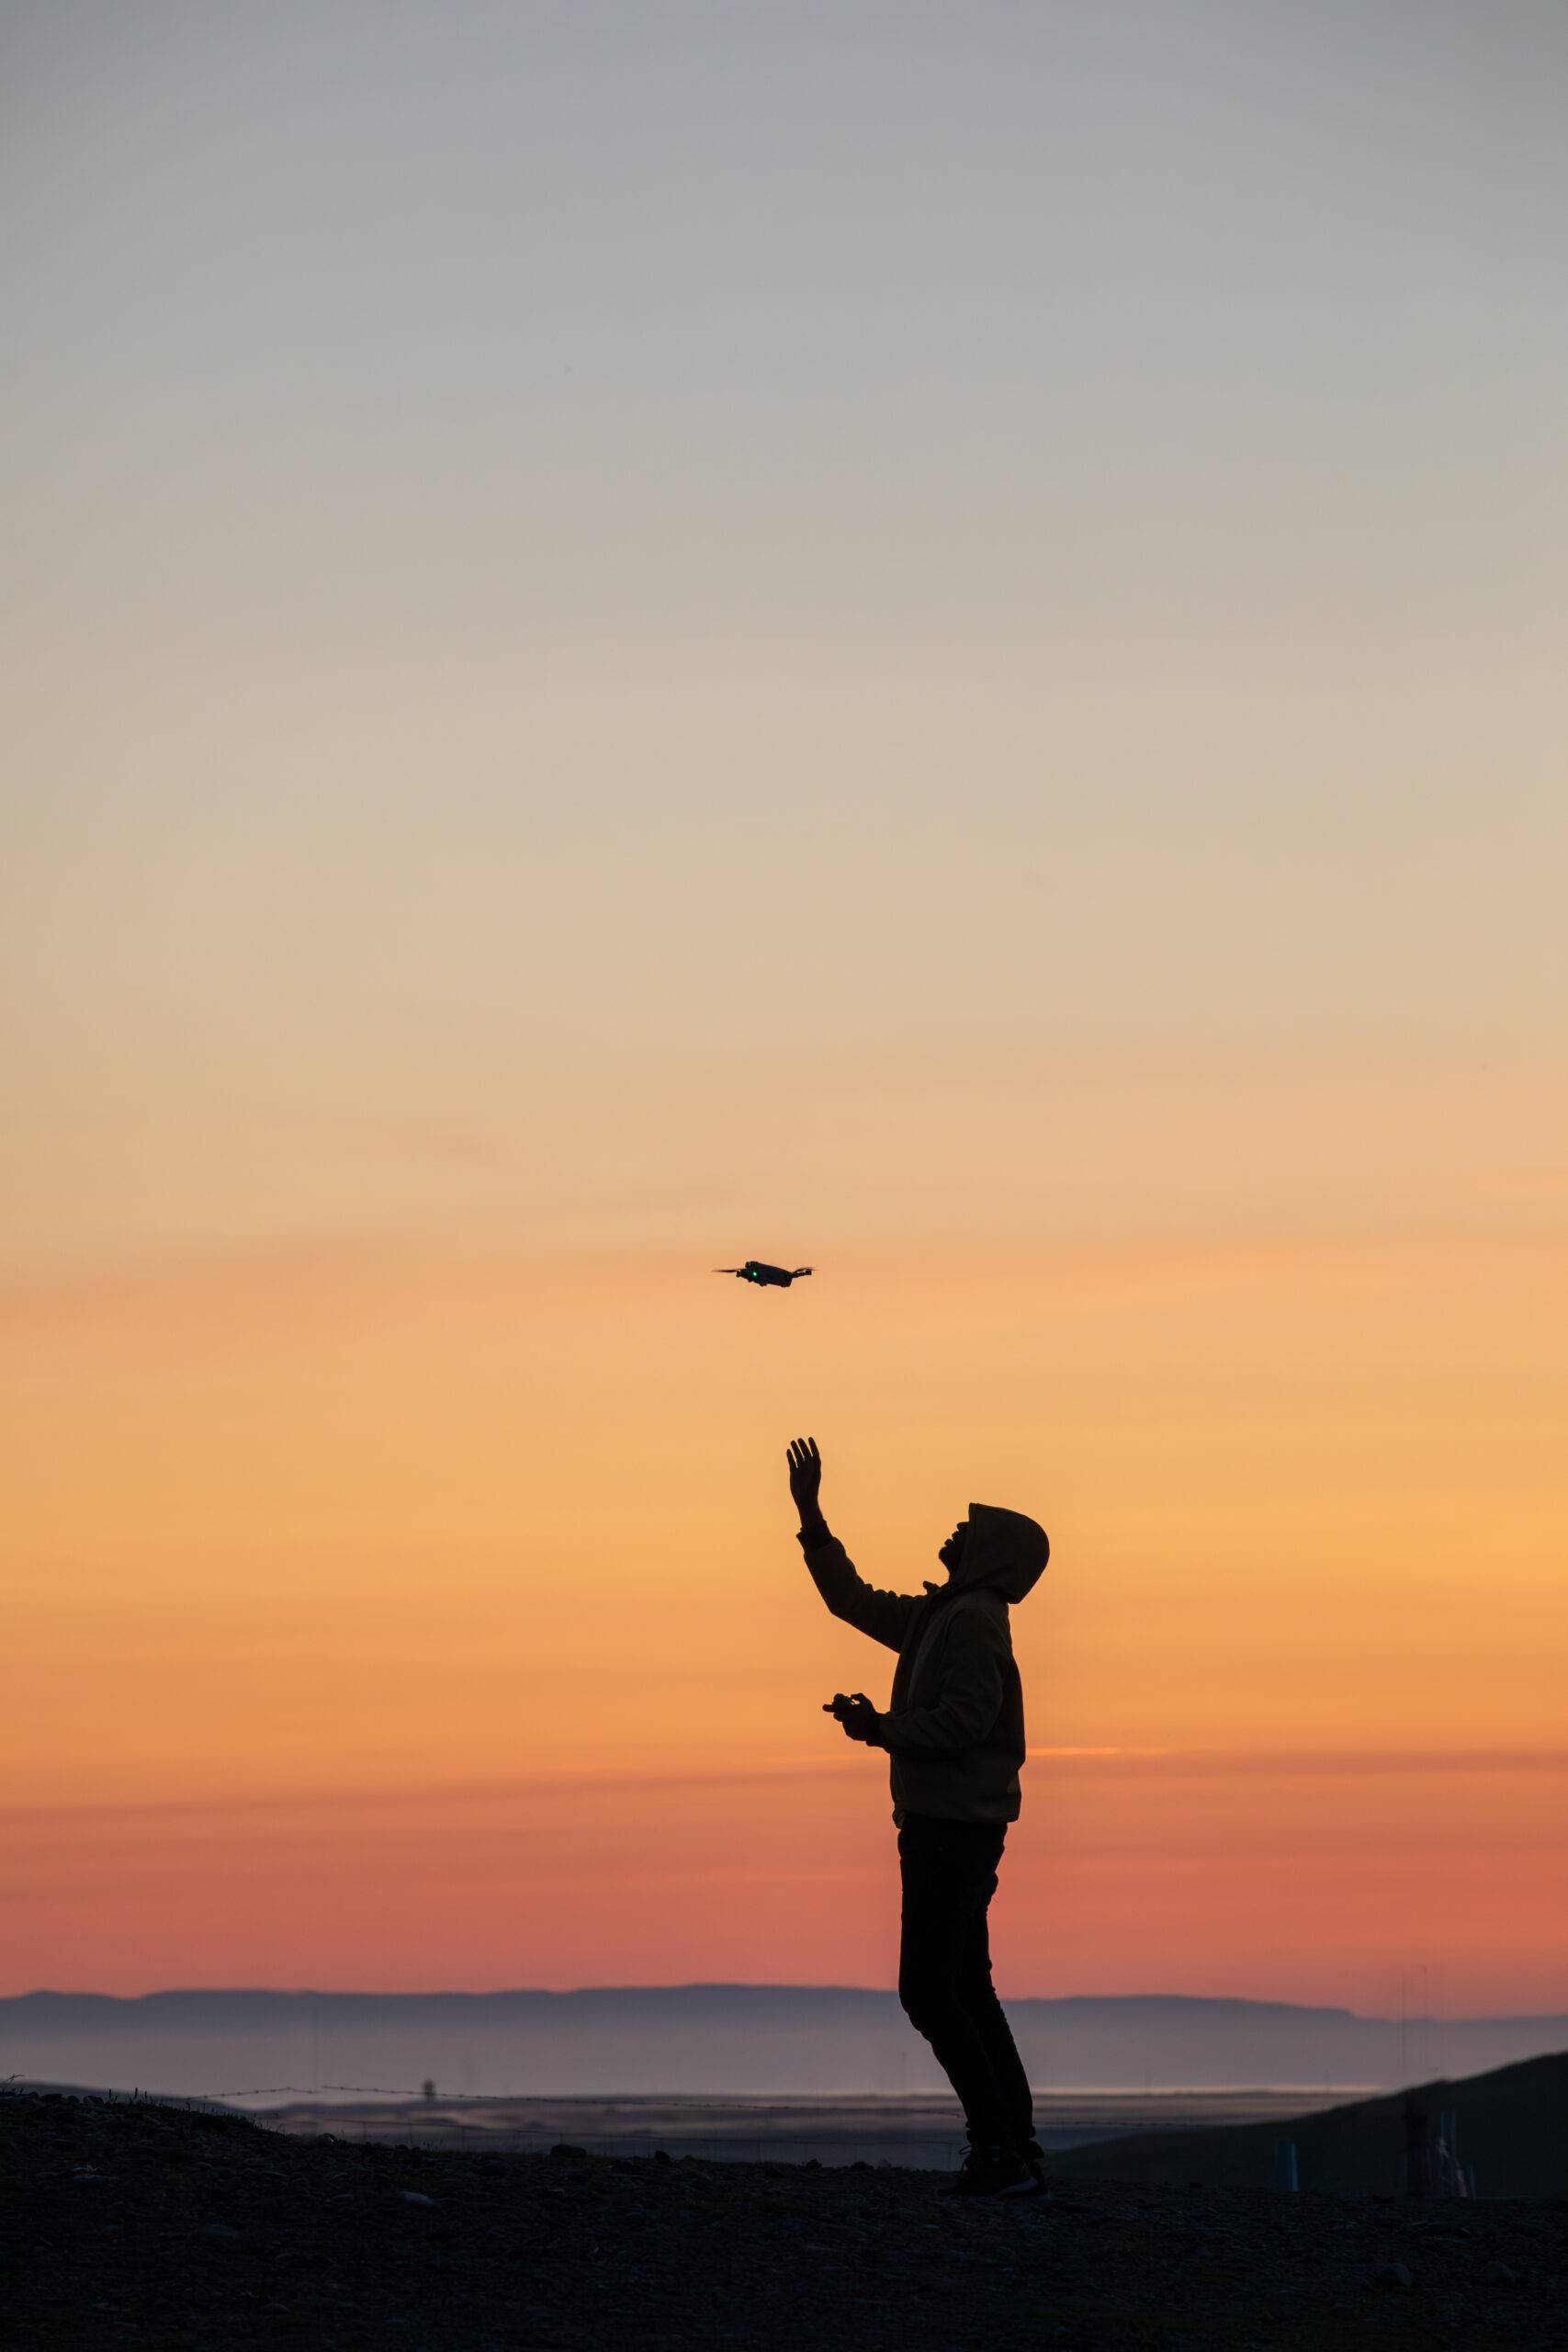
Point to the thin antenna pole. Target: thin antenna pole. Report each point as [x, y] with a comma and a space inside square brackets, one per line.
[1426, 2016]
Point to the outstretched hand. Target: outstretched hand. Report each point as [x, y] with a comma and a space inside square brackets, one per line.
[857, 1714]
[804, 1475]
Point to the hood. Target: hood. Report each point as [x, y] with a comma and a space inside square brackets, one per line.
[1005, 1552]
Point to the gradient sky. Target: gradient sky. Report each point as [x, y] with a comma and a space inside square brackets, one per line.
[926, 640]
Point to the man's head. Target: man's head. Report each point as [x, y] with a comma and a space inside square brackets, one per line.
[993, 1551]
[952, 1551]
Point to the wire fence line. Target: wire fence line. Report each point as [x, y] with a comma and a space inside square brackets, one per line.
[419, 2093]
[936, 2152]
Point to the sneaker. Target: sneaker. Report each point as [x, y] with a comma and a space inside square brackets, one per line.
[992, 2168]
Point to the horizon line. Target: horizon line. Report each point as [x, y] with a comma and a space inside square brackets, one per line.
[743, 1984]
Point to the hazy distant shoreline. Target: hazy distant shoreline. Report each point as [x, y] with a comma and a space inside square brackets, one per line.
[748, 2041]
[915, 2127]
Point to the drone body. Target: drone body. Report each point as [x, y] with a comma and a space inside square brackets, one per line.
[753, 1271]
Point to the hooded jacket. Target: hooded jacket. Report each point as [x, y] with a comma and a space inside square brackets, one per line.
[953, 1728]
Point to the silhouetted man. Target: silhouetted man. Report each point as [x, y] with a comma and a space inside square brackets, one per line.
[955, 1734]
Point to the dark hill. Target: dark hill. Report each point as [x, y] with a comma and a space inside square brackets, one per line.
[154, 2229]
[1513, 2125]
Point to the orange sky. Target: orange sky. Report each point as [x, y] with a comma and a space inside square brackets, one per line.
[436, 1620]
[929, 648]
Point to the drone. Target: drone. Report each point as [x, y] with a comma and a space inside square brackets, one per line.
[753, 1271]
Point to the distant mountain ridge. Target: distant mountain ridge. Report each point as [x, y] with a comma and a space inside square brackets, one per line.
[1167, 2006]
[734, 2038]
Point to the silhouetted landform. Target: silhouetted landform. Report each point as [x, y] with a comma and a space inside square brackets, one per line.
[1512, 2125]
[149, 2227]
[923, 2129]
[703, 2039]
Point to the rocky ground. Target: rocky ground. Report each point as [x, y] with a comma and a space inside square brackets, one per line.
[136, 2225]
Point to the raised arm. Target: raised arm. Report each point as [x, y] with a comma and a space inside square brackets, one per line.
[884, 1616]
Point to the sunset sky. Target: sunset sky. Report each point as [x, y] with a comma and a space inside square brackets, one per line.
[925, 641]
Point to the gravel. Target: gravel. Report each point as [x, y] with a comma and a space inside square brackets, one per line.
[133, 2223]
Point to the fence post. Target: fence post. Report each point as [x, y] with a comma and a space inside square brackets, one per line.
[1417, 2150]
[1285, 2164]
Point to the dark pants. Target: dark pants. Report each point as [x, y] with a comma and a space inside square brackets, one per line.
[949, 1869]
